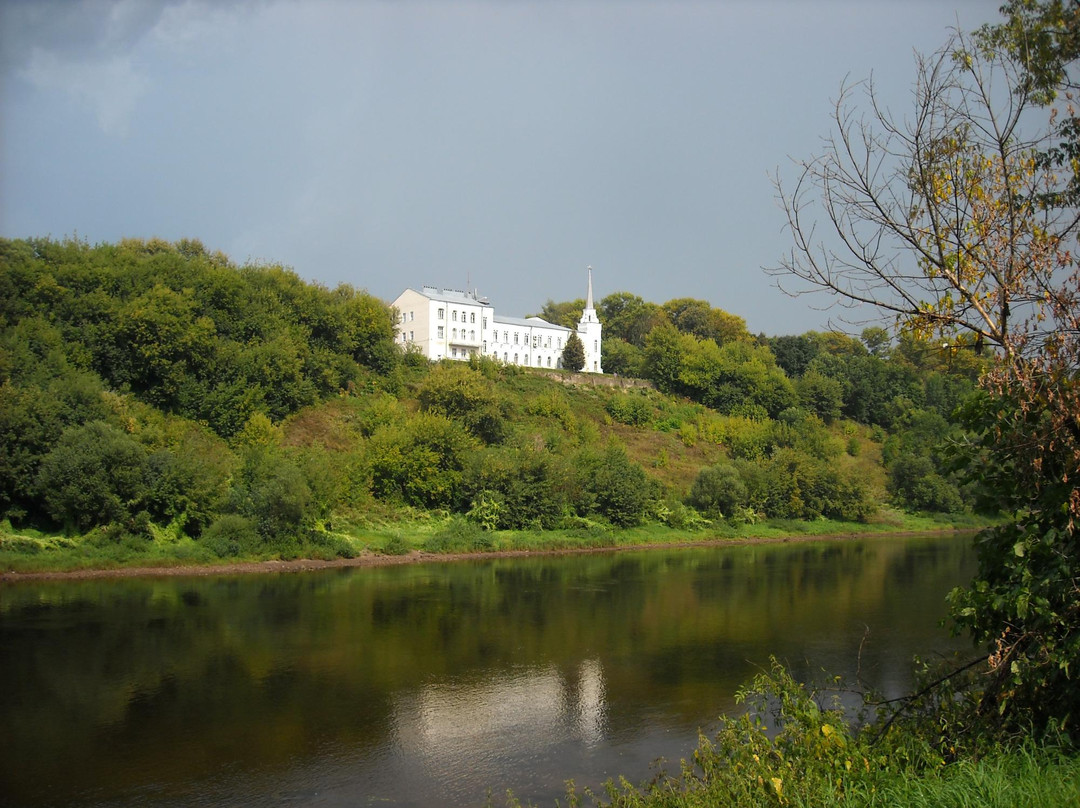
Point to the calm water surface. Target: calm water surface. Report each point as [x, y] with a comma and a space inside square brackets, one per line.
[435, 684]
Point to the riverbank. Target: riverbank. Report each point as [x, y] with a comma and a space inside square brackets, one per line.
[170, 567]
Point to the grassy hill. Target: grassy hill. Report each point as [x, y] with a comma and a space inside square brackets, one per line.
[160, 404]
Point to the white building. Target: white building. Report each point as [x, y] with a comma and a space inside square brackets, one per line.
[448, 324]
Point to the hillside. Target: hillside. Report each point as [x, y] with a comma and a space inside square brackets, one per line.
[158, 400]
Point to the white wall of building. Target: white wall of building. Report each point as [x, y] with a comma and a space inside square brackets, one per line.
[450, 324]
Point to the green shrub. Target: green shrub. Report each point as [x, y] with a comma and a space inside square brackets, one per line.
[95, 475]
[414, 357]
[231, 535]
[614, 486]
[419, 461]
[629, 409]
[917, 485]
[514, 489]
[459, 536]
[718, 491]
[794, 485]
[273, 492]
[465, 395]
[396, 545]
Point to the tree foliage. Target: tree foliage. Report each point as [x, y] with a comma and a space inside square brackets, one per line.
[194, 335]
[459, 392]
[252, 412]
[959, 219]
[700, 318]
[628, 317]
[95, 475]
[567, 314]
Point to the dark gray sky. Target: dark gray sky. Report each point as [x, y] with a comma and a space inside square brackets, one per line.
[501, 146]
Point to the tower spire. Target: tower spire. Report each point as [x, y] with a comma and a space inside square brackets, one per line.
[588, 299]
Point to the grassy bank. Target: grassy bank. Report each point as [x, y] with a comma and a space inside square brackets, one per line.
[797, 747]
[1024, 776]
[34, 552]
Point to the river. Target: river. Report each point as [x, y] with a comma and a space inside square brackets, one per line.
[436, 684]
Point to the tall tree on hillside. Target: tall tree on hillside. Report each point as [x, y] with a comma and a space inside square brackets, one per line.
[958, 220]
[573, 355]
[701, 319]
[567, 314]
[629, 317]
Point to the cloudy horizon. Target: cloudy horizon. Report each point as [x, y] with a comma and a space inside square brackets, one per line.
[498, 145]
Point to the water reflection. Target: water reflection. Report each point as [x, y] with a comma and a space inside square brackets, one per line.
[431, 684]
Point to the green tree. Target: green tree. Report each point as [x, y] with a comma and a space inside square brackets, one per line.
[622, 358]
[718, 491]
[566, 314]
[876, 340]
[618, 487]
[419, 461]
[273, 494]
[665, 350]
[459, 392]
[95, 475]
[737, 377]
[916, 484]
[795, 353]
[515, 489]
[699, 318]
[628, 317]
[820, 394]
[573, 355]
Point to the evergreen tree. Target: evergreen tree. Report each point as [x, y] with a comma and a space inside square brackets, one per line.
[573, 355]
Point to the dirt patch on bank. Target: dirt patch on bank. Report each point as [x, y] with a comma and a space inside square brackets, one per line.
[417, 557]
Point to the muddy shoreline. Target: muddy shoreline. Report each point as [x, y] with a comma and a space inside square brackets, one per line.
[420, 557]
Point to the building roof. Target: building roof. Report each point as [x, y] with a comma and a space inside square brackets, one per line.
[528, 322]
[452, 296]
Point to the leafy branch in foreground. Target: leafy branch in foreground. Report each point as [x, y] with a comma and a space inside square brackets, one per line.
[958, 220]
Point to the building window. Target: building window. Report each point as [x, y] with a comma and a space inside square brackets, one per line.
[506, 336]
[594, 346]
[411, 337]
[412, 316]
[472, 317]
[560, 343]
[515, 359]
[453, 315]
[506, 357]
[549, 361]
[515, 337]
[442, 313]
[485, 323]
[472, 334]
[440, 332]
[455, 333]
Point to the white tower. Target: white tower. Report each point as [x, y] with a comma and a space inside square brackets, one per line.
[588, 330]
